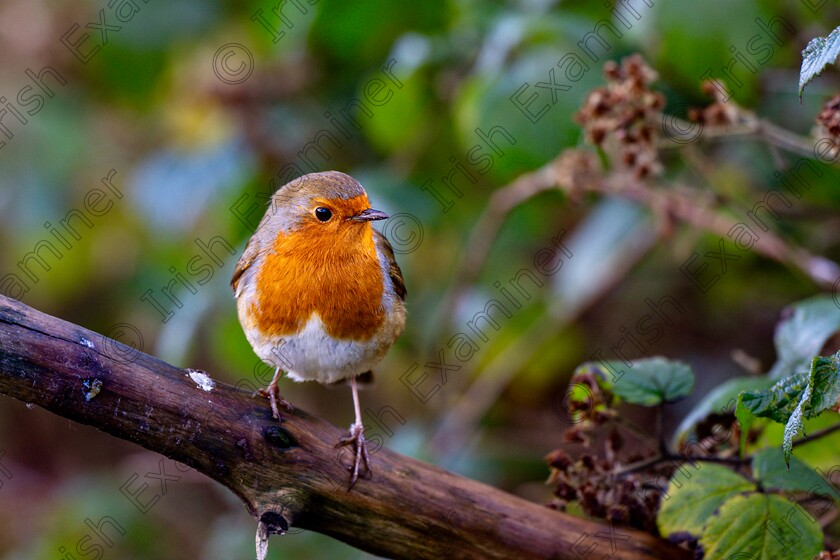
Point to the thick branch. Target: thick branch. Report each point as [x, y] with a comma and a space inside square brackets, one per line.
[285, 473]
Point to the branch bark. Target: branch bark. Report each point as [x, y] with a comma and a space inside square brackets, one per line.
[286, 473]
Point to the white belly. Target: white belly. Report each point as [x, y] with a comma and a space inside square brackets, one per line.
[312, 355]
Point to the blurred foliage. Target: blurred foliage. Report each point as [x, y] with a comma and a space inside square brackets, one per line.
[187, 146]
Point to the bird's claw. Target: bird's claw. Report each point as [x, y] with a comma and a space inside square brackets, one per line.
[274, 398]
[361, 459]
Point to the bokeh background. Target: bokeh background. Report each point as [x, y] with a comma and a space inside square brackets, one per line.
[202, 108]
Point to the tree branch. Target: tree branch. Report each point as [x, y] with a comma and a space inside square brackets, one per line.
[287, 473]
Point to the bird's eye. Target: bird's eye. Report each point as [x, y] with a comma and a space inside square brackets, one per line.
[323, 214]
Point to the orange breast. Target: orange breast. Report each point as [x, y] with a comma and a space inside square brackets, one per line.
[334, 273]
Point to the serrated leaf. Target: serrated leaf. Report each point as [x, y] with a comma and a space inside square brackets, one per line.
[792, 399]
[825, 381]
[779, 401]
[721, 400]
[821, 395]
[770, 469]
[818, 53]
[761, 527]
[694, 494]
[801, 336]
[648, 382]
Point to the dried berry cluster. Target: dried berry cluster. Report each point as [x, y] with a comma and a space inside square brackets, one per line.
[590, 483]
[622, 117]
[588, 406]
[722, 112]
[594, 484]
[829, 117]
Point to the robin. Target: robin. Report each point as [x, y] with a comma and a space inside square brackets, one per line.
[318, 291]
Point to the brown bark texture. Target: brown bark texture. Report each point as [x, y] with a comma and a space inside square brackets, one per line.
[287, 473]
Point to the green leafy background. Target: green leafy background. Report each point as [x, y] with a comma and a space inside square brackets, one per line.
[186, 147]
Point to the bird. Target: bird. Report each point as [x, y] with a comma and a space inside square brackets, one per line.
[319, 293]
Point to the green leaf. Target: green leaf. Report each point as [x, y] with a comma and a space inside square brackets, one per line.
[762, 527]
[802, 335]
[721, 400]
[770, 469]
[792, 399]
[648, 382]
[694, 494]
[778, 402]
[819, 53]
[825, 380]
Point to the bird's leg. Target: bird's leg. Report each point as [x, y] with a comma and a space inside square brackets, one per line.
[361, 459]
[274, 397]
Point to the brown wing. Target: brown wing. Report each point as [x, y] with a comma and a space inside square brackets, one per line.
[393, 268]
[252, 249]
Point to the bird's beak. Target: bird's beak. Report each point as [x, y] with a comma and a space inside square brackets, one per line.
[369, 215]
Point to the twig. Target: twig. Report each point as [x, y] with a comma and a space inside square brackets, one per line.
[676, 457]
[693, 209]
[764, 130]
[676, 203]
[639, 465]
[816, 435]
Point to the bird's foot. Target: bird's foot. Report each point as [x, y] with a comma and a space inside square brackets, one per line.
[361, 459]
[273, 394]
